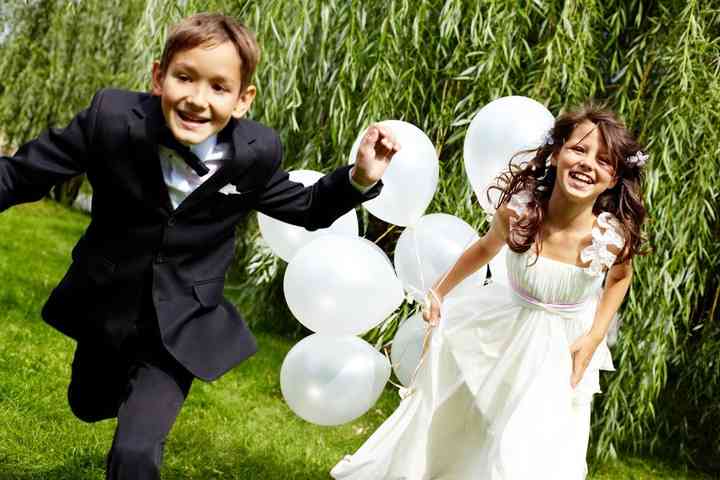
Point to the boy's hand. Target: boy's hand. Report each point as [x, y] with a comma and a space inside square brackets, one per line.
[377, 148]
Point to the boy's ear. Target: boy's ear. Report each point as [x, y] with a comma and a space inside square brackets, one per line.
[244, 101]
[157, 79]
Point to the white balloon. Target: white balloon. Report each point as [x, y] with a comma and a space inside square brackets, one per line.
[285, 239]
[407, 348]
[498, 268]
[411, 178]
[330, 380]
[498, 131]
[426, 250]
[341, 285]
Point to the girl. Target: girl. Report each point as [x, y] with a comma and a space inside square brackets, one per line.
[505, 388]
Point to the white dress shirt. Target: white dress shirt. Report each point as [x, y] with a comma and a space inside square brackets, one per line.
[181, 180]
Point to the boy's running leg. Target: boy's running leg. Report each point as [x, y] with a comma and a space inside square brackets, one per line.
[99, 381]
[157, 391]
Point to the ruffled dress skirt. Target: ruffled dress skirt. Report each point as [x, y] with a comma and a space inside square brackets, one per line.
[492, 398]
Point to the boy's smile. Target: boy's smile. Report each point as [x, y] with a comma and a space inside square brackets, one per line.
[201, 91]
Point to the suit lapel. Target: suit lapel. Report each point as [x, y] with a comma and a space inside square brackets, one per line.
[243, 156]
[145, 124]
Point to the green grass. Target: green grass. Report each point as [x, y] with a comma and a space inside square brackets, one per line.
[236, 428]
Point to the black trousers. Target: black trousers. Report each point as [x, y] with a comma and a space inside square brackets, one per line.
[142, 385]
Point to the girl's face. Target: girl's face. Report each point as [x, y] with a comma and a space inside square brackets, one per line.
[584, 170]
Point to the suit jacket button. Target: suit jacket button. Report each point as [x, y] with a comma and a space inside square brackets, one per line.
[160, 258]
[171, 221]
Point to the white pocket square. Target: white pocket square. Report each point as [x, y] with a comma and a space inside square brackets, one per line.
[229, 189]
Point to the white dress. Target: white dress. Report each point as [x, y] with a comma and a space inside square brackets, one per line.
[492, 399]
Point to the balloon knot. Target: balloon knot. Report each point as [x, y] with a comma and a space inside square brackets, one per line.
[405, 392]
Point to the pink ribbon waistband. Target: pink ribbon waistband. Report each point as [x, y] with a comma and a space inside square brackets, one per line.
[563, 309]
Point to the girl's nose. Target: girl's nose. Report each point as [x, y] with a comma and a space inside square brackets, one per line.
[585, 165]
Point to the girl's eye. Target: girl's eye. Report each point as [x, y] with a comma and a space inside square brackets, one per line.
[579, 149]
[183, 78]
[219, 88]
[605, 163]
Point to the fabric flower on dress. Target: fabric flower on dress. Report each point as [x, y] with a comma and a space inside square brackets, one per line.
[598, 253]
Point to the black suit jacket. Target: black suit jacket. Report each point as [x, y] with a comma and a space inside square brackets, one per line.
[135, 240]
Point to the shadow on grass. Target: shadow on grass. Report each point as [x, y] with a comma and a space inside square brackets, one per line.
[244, 468]
[80, 467]
[92, 467]
[204, 457]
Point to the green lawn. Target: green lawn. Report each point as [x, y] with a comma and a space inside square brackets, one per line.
[235, 428]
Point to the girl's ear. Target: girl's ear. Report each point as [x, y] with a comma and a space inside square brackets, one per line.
[553, 160]
[613, 182]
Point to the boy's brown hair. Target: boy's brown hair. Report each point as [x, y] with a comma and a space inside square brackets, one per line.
[210, 29]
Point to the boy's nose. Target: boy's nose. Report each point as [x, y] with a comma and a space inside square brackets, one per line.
[197, 99]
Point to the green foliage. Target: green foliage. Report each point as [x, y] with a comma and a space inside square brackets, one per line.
[330, 67]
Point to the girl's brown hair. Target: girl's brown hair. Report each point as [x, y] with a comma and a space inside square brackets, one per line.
[537, 176]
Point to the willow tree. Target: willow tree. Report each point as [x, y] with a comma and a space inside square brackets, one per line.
[54, 55]
[332, 66]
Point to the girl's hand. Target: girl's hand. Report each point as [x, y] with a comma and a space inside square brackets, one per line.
[431, 309]
[582, 351]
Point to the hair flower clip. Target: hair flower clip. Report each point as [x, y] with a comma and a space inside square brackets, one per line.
[548, 138]
[638, 159]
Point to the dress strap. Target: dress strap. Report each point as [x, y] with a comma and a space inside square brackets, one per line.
[607, 232]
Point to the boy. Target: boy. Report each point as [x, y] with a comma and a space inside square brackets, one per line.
[144, 294]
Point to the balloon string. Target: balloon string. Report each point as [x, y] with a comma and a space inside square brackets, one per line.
[406, 392]
[419, 261]
[390, 229]
[392, 365]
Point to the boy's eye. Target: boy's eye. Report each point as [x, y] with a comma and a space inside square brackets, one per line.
[183, 77]
[219, 88]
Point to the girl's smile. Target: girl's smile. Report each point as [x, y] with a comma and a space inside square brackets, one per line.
[584, 171]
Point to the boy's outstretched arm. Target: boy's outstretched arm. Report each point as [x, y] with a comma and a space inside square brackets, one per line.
[55, 156]
[333, 195]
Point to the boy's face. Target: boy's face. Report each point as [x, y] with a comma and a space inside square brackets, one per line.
[200, 91]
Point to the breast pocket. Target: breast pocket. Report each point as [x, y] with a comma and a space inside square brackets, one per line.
[233, 203]
[209, 293]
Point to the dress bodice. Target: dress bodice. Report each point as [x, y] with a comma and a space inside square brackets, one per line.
[551, 281]
[555, 282]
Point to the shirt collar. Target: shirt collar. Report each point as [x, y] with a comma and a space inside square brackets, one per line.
[204, 148]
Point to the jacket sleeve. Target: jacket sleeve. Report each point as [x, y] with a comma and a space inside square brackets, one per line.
[313, 207]
[55, 156]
